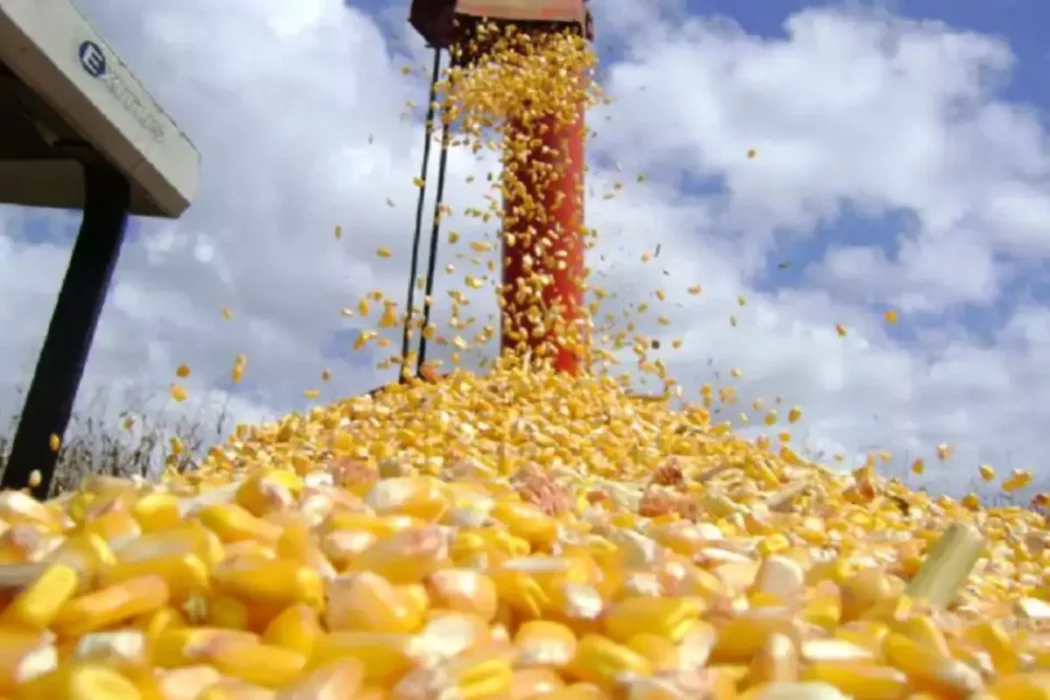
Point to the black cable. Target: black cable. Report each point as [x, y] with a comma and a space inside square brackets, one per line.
[435, 233]
[418, 235]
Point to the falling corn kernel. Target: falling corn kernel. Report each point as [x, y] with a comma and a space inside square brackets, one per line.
[944, 451]
[918, 466]
[240, 362]
[1018, 479]
[794, 415]
[362, 339]
[986, 472]
[177, 392]
[751, 153]
[890, 316]
[840, 329]
[384, 252]
[54, 442]
[182, 371]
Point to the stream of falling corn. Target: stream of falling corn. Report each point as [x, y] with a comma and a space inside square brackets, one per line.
[518, 535]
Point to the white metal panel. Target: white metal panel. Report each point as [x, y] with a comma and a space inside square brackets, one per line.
[52, 48]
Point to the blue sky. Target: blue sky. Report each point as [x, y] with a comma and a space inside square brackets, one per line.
[1022, 23]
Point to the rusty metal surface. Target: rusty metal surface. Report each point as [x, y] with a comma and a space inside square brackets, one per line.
[444, 23]
[525, 10]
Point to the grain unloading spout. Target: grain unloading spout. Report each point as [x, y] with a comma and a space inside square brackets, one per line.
[546, 242]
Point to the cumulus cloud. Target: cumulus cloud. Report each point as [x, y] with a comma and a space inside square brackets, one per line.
[858, 117]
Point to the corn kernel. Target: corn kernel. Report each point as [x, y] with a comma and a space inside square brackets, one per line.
[110, 605]
[601, 661]
[40, 602]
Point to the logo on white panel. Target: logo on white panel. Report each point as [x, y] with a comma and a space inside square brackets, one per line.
[92, 59]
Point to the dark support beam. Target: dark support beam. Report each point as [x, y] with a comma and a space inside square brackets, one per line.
[60, 367]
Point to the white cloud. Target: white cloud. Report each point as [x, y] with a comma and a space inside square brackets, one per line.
[295, 108]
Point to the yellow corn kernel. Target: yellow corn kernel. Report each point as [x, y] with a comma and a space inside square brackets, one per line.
[668, 617]
[476, 673]
[860, 680]
[777, 661]
[1020, 686]
[367, 602]
[579, 691]
[185, 574]
[533, 683]
[373, 692]
[545, 643]
[113, 525]
[338, 679]
[824, 607]
[742, 637]
[260, 664]
[228, 612]
[520, 592]
[24, 654]
[232, 523]
[190, 539]
[863, 591]
[123, 650]
[384, 657]
[186, 683]
[269, 489]
[274, 582]
[232, 689]
[297, 628]
[414, 598]
[404, 557]
[601, 661]
[157, 512]
[420, 497]
[929, 671]
[922, 630]
[465, 590]
[995, 640]
[526, 521]
[838, 571]
[297, 543]
[86, 553]
[661, 652]
[80, 681]
[153, 624]
[179, 647]
[110, 605]
[39, 603]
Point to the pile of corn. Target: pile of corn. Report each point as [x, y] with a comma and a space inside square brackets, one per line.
[517, 535]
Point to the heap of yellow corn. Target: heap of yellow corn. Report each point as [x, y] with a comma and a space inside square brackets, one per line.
[518, 535]
[515, 536]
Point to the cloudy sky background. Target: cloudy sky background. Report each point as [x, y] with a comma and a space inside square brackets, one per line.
[903, 163]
